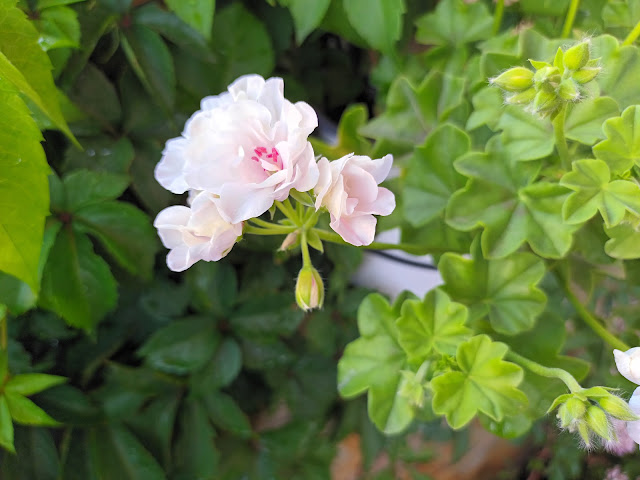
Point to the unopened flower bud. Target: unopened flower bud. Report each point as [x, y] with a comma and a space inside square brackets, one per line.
[412, 388]
[585, 75]
[568, 90]
[546, 75]
[543, 102]
[576, 407]
[515, 79]
[577, 56]
[521, 98]
[598, 422]
[290, 240]
[309, 289]
[583, 430]
[617, 408]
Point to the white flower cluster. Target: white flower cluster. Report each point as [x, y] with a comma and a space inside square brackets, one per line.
[628, 364]
[246, 149]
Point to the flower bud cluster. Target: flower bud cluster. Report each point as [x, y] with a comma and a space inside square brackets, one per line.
[551, 86]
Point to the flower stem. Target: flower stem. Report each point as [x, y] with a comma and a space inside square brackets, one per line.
[571, 16]
[560, 139]
[405, 247]
[267, 231]
[304, 247]
[497, 16]
[633, 35]
[534, 367]
[287, 209]
[273, 226]
[588, 318]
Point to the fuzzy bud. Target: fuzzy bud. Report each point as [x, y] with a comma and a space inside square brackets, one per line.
[577, 56]
[309, 289]
[598, 422]
[521, 98]
[617, 408]
[544, 102]
[568, 90]
[585, 75]
[515, 79]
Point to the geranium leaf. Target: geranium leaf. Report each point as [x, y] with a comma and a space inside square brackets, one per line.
[621, 149]
[488, 106]
[584, 121]
[431, 178]
[594, 191]
[502, 198]
[435, 324]
[379, 22]
[373, 363]
[348, 138]
[454, 22]
[624, 240]
[506, 290]
[525, 136]
[485, 383]
[621, 68]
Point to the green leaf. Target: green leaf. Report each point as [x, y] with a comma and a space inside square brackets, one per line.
[37, 457]
[96, 96]
[116, 453]
[266, 315]
[102, 154]
[544, 7]
[621, 149]
[379, 22]
[349, 139]
[488, 106]
[181, 347]
[125, 232]
[24, 192]
[151, 60]
[197, 13]
[621, 15]
[30, 383]
[433, 324]
[223, 368]
[307, 16]
[505, 290]
[6, 426]
[431, 178]
[76, 283]
[525, 136]
[59, 28]
[621, 67]
[594, 191]
[584, 121]
[412, 112]
[454, 22]
[26, 65]
[215, 287]
[624, 240]
[373, 363]
[225, 413]
[502, 197]
[242, 43]
[69, 405]
[26, 412]
[83, 188]
[485, 383]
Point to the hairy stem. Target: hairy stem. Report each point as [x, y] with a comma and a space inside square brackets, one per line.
[548, 372]
[405, 247]
[560, 139]
[571, 16]
[633, 35]
[497, 16]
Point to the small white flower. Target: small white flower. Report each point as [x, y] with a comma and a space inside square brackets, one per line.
[633, 427]
[348, 188]
[248, 146]
[628, 364]
[195, 233]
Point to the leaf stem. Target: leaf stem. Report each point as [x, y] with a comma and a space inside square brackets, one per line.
[405, 247]
[548, 372]
[570, 18]
[633, 35]
[560, 139]
[497, 16]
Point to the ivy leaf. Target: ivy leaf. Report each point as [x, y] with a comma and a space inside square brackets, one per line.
[30, 383]
[594, 191]
[584, 121]
[348, 139]
[433, 324]
[25, 412]
[306, 15]
[624, 240]
[379, 22]
[485, 383]
[488, 107]
[197, 13]
[373, 363]
[621, 149]
[621, 65]
[431, 178]
[502, 198]
[76, 283]
[506, 290]
[454, 22]
[525, 136]
[412, 112]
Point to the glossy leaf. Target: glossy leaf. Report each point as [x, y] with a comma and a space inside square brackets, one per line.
[83, 188]
[584, 121]
[25, 412]
[379, 22]
[30, 383]
[431, 178]
[454, 22]
[503, 198]
[102, 154]
[96, 96]
[197, 13]
[373, 363]
[214, 286]
[505, 290]
[306, 16]
[223, 368]
[621, 149]
[225, 413]
[348, 139]
[485, 383]
[595, 191]
[435, 324]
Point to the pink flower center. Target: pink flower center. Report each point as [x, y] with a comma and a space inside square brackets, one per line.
[268, 161]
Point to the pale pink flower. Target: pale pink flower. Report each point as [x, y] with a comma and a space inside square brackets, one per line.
[616, 473]
[348, 188]
[195, 233]
[248, 147]
[628, 363]
[633, 427]
[622, 443]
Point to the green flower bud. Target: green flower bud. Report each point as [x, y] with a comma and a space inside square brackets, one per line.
[585, 75]
[568, 90]
[576, 408]
[577, 56]
[515, 79]
[617, 408]
[309, 289]
[564, 416]
[598, 422]
[521, 98]
[544, 102]
[412, 389]
[538, 65]
[583, 430]
[546, 75]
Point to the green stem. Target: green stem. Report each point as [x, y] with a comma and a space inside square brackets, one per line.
[560, 139]
[288, 211]
[571, 16]
[3, 329]
[306, 258]
[633, 35]
[266, 231]
[547, 372]
[273, 226]
[405, 247]
[497, 16]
